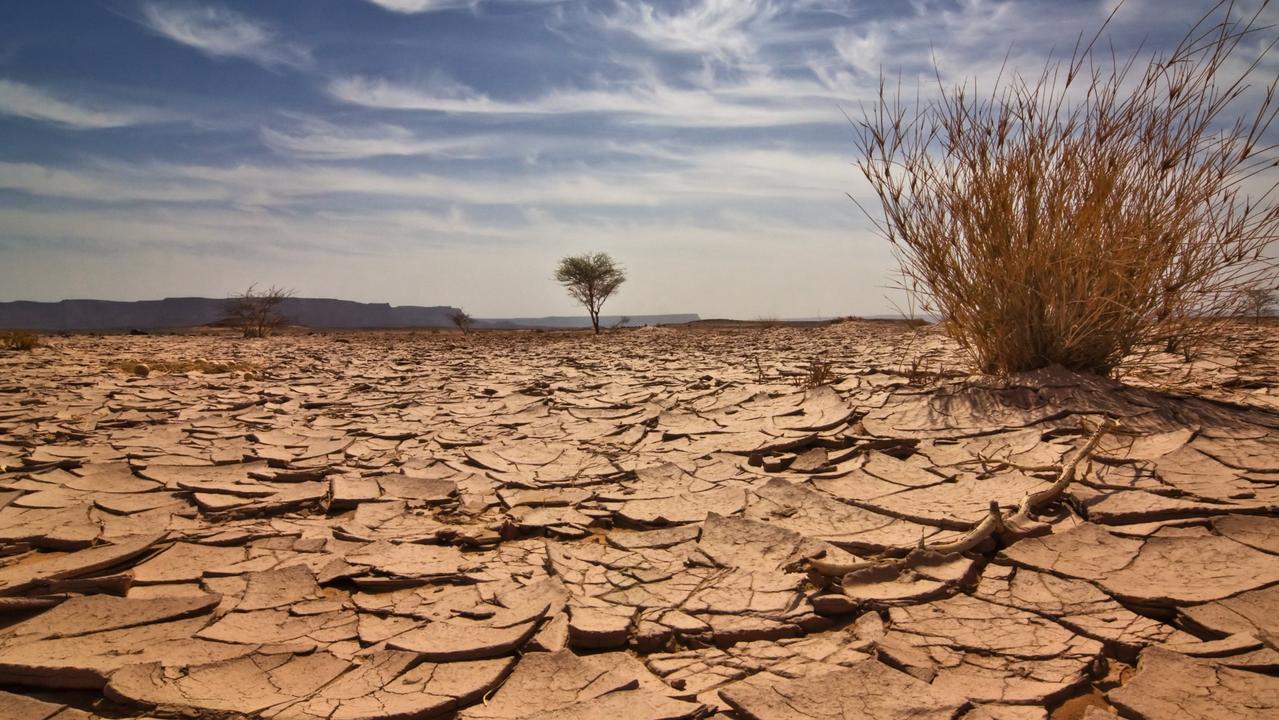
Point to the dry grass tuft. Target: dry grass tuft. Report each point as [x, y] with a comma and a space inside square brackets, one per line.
[19, 340]
[1104, 206]
[816, 374]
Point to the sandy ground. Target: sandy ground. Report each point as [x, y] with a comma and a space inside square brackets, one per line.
[653, 523]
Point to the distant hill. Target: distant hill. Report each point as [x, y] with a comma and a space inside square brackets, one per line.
[192, 312]
[106, 315]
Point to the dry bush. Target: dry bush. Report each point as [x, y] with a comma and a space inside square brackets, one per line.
[1259, 302]
[256, 312]
[1099, 208]
[19, 340]
[461, 320]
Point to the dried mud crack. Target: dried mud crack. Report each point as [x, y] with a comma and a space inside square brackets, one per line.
[652, 524]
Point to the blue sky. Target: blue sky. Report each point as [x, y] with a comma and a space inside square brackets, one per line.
[449, 151]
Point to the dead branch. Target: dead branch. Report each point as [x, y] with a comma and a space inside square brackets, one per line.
[1013, 526]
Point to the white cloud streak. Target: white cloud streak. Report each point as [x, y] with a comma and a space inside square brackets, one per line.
[410, 7]
[222, 33]
[649, 102]
[314, 139]
[22, 100]
[722, 28]
[414, 7]
[672, 177]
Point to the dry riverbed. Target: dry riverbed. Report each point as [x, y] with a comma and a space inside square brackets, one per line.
[657, 523]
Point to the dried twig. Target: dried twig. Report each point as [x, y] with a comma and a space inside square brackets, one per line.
[1015, 525]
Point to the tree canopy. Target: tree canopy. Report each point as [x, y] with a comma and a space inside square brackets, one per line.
[590, 279]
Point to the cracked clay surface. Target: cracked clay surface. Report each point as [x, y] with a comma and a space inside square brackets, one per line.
[632, 526]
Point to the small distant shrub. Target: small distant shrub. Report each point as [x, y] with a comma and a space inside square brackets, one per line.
[256, 312]
[1100, 207]
[461, 320]
[19, 340]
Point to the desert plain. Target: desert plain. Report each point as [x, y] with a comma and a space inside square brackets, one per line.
[826, 521]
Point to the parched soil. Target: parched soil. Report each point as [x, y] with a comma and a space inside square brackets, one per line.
[773, 522]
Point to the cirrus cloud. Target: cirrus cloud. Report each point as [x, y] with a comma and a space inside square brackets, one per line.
[647, 101]
[221, 33]
[21, 100]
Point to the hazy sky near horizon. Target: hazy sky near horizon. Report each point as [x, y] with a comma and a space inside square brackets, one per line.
[450, 151]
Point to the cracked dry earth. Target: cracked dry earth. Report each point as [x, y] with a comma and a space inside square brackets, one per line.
[541, 525]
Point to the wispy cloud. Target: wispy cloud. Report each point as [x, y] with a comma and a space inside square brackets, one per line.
[409, 7]
[670, 176]
[315, 139]
[105, 184]
[226, 229]
[966, 41]
[648, 101]
[221, 33]
[413, 7]
[25, 101]
[716, 27]
[282, 186]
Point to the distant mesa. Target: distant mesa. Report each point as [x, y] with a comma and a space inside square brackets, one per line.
[107, 315]
[193, 312]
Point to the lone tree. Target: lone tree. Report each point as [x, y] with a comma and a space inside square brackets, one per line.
[460, 320]
[1260, 302]
[256, 312]
[590, 279]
